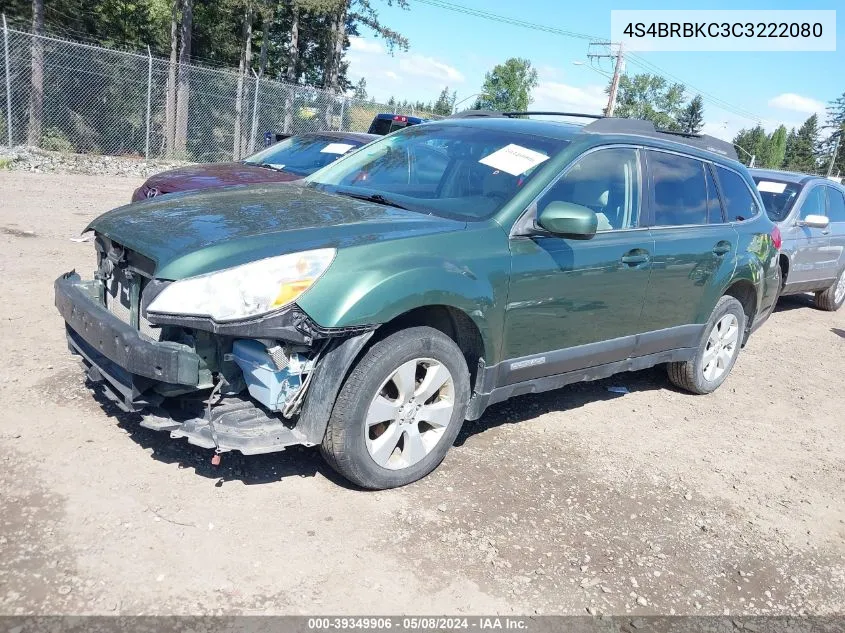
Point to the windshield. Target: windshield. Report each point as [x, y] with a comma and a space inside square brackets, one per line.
[463, 172]
[303, 155]
[778, 197]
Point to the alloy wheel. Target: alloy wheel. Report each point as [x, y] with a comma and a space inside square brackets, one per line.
[839, 293]
[721, 347]
[409, 413]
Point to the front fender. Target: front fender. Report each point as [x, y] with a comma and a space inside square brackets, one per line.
[376, 283]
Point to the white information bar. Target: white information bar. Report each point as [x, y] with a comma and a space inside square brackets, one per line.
[723, 30]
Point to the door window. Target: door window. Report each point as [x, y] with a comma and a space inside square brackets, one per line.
[606, 181]
[680, 190]
[739, 202]
[814, 203]
[835, 205]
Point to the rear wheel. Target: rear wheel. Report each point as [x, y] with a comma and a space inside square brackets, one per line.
[832, 298]
[399, 410]
[716, 353]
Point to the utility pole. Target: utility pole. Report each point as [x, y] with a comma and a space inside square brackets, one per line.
[617, 71]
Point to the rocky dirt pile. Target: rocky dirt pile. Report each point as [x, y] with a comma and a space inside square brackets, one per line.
[40, 161]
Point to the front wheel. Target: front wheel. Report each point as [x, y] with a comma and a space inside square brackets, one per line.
[399, 410]
[717, 351]
[832, 298]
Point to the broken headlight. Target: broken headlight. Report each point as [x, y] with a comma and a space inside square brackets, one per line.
[244, 291]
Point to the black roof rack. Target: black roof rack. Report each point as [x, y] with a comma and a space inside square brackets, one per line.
[615, 125]
[575, 114]
[640, 127]
[469, 114]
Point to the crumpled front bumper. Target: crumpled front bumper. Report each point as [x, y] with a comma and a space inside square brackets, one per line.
[125, 365]
[116, 352]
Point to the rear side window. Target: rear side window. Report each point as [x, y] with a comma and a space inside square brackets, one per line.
[835, 205]
[739, 202]
[814, 203]
[714, 207]
[680, 190]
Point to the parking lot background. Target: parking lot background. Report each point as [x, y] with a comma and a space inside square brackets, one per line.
[651, 501]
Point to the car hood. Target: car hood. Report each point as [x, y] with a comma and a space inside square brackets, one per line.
[194, 233]
[196, 177]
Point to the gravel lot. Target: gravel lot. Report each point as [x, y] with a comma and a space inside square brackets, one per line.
[654, 501]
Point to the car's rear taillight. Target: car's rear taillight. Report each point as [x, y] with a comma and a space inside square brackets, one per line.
[404, 119]
[776, 238]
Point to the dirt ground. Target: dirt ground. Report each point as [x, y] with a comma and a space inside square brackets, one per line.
[578, 500]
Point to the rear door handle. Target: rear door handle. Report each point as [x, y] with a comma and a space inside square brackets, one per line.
[635, 258]
[721, 249]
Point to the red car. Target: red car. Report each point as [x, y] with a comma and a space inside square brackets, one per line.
[290, 159]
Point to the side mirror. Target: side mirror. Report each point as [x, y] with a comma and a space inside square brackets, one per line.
[569, 219]
[815, 222]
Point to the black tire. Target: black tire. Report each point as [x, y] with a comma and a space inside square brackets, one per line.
[826, 299]
[689, 375]
[344, 445]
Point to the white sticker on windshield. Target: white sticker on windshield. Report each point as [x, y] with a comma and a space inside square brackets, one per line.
[771, 187]
[514, 159]
[336, 148]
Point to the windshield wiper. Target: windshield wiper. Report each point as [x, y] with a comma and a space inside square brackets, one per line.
[371, 197]
[266, 166]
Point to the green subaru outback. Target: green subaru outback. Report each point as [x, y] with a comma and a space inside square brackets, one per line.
[373, 307]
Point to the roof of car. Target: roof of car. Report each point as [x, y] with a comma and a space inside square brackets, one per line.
[788, 176]
[361, 137]
[621, 128]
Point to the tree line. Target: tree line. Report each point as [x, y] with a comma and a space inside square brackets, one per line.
[297, 41]
[808, 149]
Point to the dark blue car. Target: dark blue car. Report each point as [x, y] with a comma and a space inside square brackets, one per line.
[385, 123]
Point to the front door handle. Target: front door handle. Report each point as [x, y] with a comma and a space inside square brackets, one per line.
[722, 248]
[636, 257]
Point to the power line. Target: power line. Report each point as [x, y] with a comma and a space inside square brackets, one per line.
[649, 66]
[487, 15]
[636, 59]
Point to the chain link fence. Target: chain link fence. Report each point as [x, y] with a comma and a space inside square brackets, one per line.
[102, 101]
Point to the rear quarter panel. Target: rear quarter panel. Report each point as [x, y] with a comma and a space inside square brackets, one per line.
[757, 262]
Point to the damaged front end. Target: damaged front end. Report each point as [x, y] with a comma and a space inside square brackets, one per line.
[254, 385]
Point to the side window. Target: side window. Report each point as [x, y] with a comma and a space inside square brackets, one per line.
[835, 205]
[739, 201]
[606, 181]
[714, 207]
[680, 190]
[814, 203]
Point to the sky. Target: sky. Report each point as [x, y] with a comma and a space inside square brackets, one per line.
[456, 50]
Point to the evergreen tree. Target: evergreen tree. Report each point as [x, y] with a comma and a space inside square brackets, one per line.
[777, 148]
[443, 105]
[789, 151]
[803, 154]
[691, 118]
[753, 142]
[835, 122]
[360, 90]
